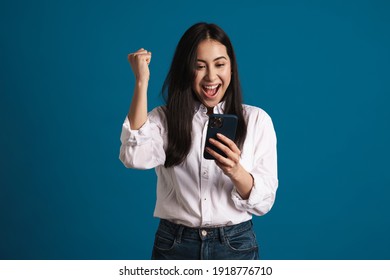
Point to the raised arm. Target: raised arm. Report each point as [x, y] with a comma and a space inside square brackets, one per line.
[142, 142]
[139, 62]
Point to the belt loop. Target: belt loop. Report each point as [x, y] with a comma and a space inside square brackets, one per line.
[222, 235]
[179, 233]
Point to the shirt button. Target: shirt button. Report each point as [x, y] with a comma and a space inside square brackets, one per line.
[204, 233]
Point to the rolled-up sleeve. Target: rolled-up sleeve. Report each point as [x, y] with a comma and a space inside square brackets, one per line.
[264, 171]
[143, 148]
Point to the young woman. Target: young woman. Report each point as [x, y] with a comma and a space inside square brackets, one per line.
[205, 206]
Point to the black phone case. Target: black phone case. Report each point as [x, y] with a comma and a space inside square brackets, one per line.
[227, 128]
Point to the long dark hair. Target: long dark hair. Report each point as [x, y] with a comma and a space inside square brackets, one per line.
[180, 98]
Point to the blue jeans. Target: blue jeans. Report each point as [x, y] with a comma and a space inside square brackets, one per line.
[178, 242]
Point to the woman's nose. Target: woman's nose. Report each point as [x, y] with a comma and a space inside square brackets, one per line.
[211, 74]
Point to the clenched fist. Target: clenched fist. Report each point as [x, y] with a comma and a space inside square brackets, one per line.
[139, 62]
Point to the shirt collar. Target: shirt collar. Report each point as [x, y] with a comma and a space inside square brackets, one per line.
[219, 109]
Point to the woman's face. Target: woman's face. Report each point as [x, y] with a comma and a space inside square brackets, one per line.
[212, 74]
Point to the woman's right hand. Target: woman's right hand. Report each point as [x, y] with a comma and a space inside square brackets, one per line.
[139, 62]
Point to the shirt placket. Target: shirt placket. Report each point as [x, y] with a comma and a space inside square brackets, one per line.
[205, 165]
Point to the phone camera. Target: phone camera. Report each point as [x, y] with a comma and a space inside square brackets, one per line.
[216, 122]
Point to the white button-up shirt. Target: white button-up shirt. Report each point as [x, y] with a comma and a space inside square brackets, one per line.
[197, 193]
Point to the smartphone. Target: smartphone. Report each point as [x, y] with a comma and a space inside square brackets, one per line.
[220, 123]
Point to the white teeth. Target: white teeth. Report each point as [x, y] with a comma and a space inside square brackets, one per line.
[211, 87]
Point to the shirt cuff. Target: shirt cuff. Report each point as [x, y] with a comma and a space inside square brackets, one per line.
[255, 198]
[135, 137]
[245, 204]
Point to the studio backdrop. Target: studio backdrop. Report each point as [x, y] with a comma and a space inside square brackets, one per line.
[320, 69]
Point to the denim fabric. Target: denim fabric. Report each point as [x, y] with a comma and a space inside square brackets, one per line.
[177, 242]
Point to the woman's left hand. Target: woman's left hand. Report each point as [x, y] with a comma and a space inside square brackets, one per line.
[230, 165]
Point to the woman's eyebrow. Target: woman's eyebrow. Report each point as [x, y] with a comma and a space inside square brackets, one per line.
[218, 58]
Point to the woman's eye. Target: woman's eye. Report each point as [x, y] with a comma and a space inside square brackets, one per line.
[200, 66]
[220, 65]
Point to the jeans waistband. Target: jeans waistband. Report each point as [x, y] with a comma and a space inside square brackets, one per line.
[203, 233]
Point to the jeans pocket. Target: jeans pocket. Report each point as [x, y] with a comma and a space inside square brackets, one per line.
[242, 242]
[164, 242]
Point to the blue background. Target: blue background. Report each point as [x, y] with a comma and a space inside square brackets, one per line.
[319, 68]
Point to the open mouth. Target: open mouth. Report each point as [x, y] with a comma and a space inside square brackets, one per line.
[211, 90]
